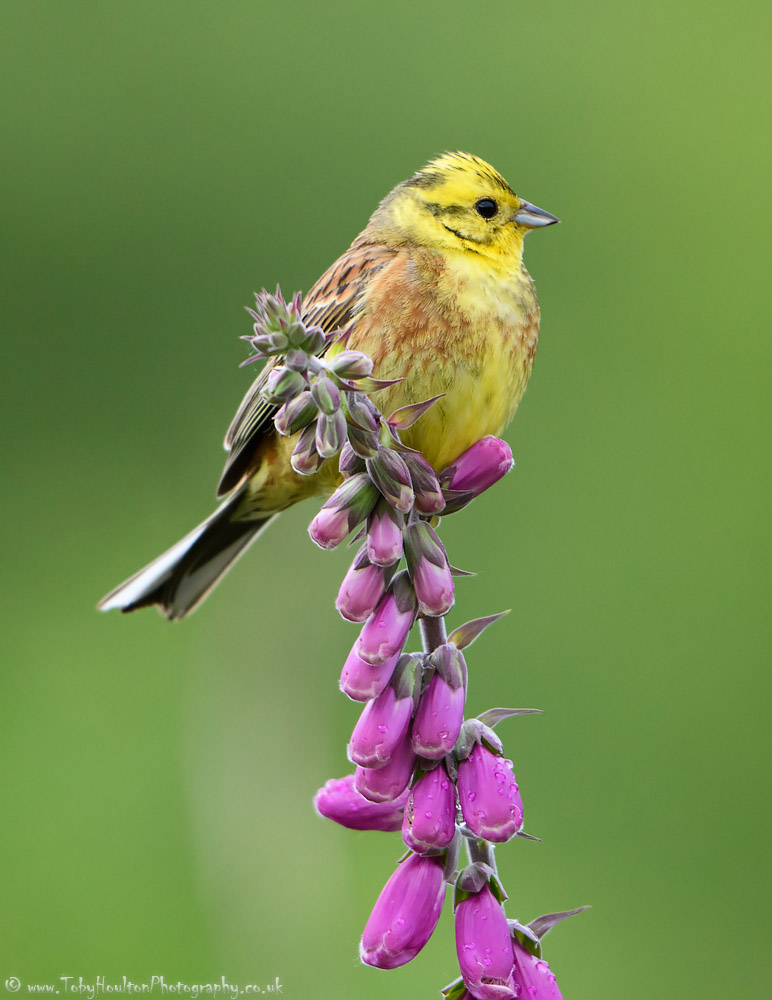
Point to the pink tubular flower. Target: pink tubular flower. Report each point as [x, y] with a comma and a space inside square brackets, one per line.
[429, 569]
[362, 588]
[362, 681]
[384, 535]
[480, 466]
[489, 795]
[383, 724]
[533, 976]
[441, 708]
[484, 947]
[430, 813]
[387, 783]
[339, 801]
[347, 507]
[386, 630]
[405, 914]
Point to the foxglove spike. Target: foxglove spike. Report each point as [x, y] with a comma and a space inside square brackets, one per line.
[339, 801]
[489, 795]
[362, 588]
[429, 822]
[406, 913]
[484, 947]
[361, 681]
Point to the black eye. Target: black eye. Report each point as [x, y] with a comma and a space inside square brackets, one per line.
[486, 207]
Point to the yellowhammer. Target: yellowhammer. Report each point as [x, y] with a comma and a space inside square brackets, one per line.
[438, 296]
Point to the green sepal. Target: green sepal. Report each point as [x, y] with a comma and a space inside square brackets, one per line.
[455, 990]
[466, 634]
[493, 716]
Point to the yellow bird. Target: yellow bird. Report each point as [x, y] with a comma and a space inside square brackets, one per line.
[438, 296]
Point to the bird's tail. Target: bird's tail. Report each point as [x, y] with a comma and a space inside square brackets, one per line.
[181, 578]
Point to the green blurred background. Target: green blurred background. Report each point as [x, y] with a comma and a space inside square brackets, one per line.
[163, 159]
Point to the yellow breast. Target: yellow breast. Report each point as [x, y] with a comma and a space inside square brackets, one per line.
[456, 325]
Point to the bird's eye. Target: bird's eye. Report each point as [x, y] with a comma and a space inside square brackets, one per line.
[486, 207]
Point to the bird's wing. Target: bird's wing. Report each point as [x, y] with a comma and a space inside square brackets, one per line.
[332, 303]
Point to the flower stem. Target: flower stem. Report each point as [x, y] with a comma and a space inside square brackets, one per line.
[433, 632]
[480, 850]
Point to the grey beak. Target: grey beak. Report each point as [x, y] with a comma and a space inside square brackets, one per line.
[534, 218]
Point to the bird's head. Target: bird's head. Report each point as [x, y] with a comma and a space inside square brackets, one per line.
[457, 202]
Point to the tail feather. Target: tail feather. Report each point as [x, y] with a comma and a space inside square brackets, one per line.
[179, 579]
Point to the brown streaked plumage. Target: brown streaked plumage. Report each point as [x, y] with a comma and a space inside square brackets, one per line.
[438, 296]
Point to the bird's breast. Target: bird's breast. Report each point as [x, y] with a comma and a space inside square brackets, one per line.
[460, 327]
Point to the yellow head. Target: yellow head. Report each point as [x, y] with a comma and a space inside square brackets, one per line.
[456, 202]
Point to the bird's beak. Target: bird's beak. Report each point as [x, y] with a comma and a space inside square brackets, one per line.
[531, 217]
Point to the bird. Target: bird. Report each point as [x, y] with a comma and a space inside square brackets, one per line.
[435, 291]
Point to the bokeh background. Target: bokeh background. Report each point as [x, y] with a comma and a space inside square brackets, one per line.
[160, 162]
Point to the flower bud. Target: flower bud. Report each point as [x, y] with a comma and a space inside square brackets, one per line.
[386, 630]
[351, 365]
[426, 485]
[362, 681]
[347, 507]
[296, 413]
[362, 413]
[350, 463]
[429, 569]
[489, 795]
[330, 434]
[326, 395]
[283, 383]
[533, 976]
[268, 344]
[480, 466]
[383, 724]
[384, 784]
[305, 458]
[484, 947]
[390, 474]
[440, 711]
[364, 443]
[430, 813]
[405, 914]
[339, 801]
[362, 588]
[384, 535]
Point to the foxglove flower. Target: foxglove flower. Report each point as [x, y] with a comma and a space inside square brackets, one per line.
[362, 588]
[429, 569]
[533, 976]
[430, 813]
[406, 913]
[339, 801]
[392, 477]
[382, 726]
[347, 507]
[440, 711]
[484, 947]
[489, 795]
[386, 630]
[384, 535]
[362, 681]
[426, 486]
[305, 459]
[387, 783]
[480, 466]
